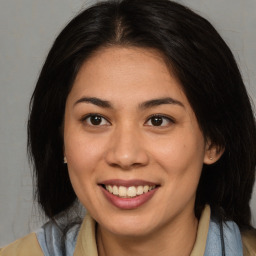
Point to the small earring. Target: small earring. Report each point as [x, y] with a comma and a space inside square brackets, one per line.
[65, 160]
[210, 157]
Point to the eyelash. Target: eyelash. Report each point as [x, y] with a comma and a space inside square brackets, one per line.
[84, 118]
[160, 116]
[163, 117]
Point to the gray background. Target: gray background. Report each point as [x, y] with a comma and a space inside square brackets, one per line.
[27, 30]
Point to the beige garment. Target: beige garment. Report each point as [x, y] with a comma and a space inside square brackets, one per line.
[86, 242]
[26, 246]
[249, 242]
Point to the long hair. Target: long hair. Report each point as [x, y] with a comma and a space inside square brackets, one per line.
[209, 76]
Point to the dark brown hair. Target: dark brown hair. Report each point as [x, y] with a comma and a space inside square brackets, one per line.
[201, 61]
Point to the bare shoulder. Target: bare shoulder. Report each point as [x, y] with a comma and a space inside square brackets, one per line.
[249, 242]
[26, 246]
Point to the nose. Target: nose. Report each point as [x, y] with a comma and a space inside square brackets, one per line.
[127, 149]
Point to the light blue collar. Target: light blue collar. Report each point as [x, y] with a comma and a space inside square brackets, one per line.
[231, 237]
[50, 238]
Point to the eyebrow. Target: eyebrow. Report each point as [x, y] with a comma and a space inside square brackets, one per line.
[96, 101]
[160, 101]
[147, 104]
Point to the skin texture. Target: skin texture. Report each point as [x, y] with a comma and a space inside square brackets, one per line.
[126, 145]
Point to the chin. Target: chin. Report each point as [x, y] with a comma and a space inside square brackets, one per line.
[134, 226]
[132, 232]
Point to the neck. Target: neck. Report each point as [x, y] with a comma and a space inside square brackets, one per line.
[177, 238]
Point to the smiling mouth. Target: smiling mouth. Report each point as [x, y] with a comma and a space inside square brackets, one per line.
[128, 192]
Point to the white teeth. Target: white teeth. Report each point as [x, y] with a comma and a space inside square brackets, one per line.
[128, 192]
[140, 190]
[122, 191]
[109, 188]
[146, 188]
[115, 190]
[131, 191]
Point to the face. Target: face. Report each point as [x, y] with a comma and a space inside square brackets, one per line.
[133, 145]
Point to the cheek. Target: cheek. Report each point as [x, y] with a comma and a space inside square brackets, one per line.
[182, 145]
[181, 155]
[83, 159]
[82, 150]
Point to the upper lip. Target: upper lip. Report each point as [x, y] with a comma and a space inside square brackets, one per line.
[127, 183]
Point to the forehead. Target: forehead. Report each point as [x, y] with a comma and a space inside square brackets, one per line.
[127, 73]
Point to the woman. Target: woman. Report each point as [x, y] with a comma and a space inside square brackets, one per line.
[141, 114]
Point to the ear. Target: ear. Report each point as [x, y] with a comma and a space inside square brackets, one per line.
[212, 153]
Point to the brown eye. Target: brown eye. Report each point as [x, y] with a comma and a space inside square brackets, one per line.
[158, 120]
[95, 120]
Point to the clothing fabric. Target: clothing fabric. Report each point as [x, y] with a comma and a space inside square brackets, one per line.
[232, 239]
[80, 240]
[52, 241]
[208, 242]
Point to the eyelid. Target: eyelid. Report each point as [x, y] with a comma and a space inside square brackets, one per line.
[170, 119]
[83, 118]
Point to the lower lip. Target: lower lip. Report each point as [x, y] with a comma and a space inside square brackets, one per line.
[128, 203]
